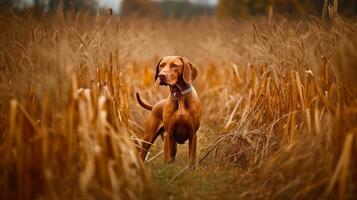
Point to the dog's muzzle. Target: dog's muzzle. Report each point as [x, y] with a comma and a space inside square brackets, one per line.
[162, 79]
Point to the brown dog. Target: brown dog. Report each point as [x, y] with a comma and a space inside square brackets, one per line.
[179, 115]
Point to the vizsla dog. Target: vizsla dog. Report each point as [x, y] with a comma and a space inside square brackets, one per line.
[177, 116]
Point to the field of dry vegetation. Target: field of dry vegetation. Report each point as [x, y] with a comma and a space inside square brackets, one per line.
[279, 107]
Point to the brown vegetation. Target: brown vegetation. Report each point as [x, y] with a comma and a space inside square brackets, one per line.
[279, 104]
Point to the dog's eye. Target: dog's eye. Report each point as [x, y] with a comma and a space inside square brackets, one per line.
[174, 66]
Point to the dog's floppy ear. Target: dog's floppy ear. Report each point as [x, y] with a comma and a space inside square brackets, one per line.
[190, 71]
[157, 69]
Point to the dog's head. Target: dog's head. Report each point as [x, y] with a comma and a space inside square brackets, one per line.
[172, 70]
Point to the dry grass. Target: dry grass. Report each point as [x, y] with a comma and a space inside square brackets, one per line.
[279, 100]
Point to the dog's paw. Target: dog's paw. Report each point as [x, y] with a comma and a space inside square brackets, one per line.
[193, 165]
[169, 161]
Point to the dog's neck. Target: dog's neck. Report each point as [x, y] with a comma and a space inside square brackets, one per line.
[178, 91]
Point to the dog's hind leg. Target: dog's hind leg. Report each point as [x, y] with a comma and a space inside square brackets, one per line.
[192, 149]
[150, 134]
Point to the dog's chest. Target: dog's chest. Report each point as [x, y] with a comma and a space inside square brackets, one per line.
[179, 124]
[179, 115]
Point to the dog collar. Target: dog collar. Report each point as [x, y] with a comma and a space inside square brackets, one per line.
[178, 94]
[186, 91]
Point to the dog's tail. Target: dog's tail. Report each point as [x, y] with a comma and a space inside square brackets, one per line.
[142, 103]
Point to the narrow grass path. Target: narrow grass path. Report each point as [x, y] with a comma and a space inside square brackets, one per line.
[207, 181]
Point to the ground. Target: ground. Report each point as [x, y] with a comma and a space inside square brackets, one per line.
[206, 181]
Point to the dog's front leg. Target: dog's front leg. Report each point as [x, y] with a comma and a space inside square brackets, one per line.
[169, 148]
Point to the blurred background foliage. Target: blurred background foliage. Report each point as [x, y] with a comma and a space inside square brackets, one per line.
[238, 8]
[141, 7]
[50, 5]
[188, 8]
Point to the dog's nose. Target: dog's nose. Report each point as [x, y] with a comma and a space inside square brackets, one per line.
[162, 77]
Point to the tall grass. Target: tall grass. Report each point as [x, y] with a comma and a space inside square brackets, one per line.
[67, 115]
[278, 96]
